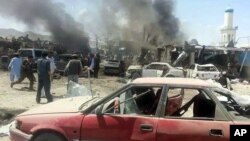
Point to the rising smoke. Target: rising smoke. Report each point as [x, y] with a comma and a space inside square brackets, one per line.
[152, 21]
[64, 29]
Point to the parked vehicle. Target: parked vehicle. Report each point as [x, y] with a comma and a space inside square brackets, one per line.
[155, 69]
[61, 62]
[35, 53]
[207, 71]
[4, 62]
[146, 109]
[112, 67]
[134, 71]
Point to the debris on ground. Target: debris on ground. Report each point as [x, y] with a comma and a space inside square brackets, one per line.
[75, 89]
[4, 130]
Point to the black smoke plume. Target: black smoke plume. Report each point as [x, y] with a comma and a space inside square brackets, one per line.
[166, 19]
[64, 29]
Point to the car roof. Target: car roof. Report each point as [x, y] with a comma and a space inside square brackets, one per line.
[33, 49]
[185, 82]
[159, 63]
[206, 65]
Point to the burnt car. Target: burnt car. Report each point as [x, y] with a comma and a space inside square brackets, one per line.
[61, 62]
[149, 109]
[154, 69]
[112, 67]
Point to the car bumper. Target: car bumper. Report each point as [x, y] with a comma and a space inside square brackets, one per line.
[128, 75]
[17, 135]
[112, 70]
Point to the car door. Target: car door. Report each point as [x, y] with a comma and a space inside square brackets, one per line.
[189, 127]
[149, 71]
[126, 123]
[190, 71]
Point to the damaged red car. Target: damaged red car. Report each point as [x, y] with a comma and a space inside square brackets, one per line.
[148, 109]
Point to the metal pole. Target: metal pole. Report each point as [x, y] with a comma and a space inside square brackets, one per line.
[245, 56]
[90, 83]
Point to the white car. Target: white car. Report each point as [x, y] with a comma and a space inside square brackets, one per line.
[207, 71]
[160, 69]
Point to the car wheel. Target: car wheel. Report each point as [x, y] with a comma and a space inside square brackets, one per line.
[49, 137]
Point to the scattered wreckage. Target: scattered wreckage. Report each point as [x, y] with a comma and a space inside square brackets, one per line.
[145, 109]
[113, 67]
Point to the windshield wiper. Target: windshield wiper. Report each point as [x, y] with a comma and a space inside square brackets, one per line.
[85, 103]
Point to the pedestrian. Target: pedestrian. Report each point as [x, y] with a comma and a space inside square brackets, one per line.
[44, 81]
[26, 72]
[15, 67]
[225, 81]
[91, 64]
[97, 61]
[73, 69]
[52, 64]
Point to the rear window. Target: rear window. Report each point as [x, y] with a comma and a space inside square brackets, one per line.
[210, 68]
[38, 53]
[25, 53]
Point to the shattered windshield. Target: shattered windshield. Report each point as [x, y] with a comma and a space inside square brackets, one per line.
[235, 103]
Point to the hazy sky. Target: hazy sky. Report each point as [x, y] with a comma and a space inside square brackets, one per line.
[200, 19]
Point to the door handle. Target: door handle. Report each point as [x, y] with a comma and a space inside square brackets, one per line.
[146, 127]
[216, 132]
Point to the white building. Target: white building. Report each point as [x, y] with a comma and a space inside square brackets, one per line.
[228, 31]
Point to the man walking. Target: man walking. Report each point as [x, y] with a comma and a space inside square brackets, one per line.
[52, 64]
[73, 69]
[27, 71]
[43, 71]
[97, 60]
[15, 67]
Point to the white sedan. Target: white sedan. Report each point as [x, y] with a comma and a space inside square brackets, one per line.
[207, 71]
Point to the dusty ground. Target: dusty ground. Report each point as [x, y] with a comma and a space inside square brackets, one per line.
[18, 99]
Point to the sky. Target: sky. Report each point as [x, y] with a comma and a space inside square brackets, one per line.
[199, 19]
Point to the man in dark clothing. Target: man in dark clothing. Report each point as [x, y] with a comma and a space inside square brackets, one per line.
[26, 71]
[73, 69]
[224, 81]
[43, 71]
[97, 61]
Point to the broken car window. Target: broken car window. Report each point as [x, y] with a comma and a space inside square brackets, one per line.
[137, 100]
[189, 103]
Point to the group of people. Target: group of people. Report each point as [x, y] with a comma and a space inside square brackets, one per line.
[21, 69]
[75, 66]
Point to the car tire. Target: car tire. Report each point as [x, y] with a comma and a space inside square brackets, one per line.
[49, 137]
[135, 75]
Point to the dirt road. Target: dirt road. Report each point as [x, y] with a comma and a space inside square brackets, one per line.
[18, 99]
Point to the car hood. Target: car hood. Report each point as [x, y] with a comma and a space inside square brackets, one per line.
[67, 105]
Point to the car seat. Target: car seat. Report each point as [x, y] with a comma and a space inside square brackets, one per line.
[174, 103]
[145, 101]
[203, 107]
